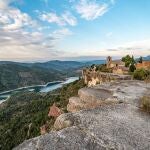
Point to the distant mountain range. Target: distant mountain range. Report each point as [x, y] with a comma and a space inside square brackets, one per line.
[15, 74]
[56, 64]
[146, 58]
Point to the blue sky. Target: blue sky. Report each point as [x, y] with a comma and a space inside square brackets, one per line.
[41, 30]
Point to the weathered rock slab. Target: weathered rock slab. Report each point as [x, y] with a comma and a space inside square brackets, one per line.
[128, 91]
[117, 126]
[120, 126]
[75, 104]
[91, 95]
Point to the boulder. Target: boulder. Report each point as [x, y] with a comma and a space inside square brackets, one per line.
[75, 104]
[90, 95]
[43, 129]
[54, 111]
[63, 121]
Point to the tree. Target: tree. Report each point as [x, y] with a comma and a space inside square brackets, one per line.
[132, 67]
[92, 66]
[132, 60]
[128, 60]
[140, 59]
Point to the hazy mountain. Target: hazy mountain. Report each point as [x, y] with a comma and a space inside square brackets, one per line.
[146, 58]
[60, 65]
[15, 74]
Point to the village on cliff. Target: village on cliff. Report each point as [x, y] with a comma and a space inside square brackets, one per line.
[125, 68]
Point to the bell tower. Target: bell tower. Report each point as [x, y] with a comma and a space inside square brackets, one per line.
[109, 61]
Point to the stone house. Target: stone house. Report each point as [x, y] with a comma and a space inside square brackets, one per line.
[117, 66]
[121, 70]
[110, 63]
[144, 64]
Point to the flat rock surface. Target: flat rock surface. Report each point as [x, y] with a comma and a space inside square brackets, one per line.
[129, 91]
[92, 95]
[118, 126]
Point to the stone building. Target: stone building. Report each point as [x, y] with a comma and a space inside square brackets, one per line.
[121, 70]
[110, 63]
[117, 66]
[91, 78]
[144, 64]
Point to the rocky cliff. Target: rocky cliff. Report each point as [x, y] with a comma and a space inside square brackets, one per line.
[93, 77]
[106, 116]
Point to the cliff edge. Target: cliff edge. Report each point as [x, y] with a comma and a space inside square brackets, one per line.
[107, 116]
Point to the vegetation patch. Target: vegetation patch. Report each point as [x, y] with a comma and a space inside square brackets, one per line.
[141, 74]
[24, 113]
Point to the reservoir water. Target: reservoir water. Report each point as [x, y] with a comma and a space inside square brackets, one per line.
[50, 86]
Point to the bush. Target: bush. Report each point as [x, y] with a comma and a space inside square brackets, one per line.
[141, 74]
[103, 68]
[145, 102]
[132, 68]
[147, 80]
[128, 60]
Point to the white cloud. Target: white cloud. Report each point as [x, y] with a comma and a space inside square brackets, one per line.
[91, 10]
[14, 19]
[23, 45]
[52, 18]
[136, 48]
[142, 44]
[21, 38]
[64, 19]
[69, 18]
[61, 33]
[4, 3]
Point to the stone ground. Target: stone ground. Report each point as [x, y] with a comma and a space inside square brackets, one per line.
[121, 126]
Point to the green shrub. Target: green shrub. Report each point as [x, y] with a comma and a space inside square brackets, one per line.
[128, 60]
[132, 68]
[141, 74]
[103, 68]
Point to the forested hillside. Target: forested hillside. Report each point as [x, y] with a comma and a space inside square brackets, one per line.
[14, 75]
[30, 110]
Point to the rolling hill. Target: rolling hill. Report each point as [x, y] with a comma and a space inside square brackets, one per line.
[14, 74]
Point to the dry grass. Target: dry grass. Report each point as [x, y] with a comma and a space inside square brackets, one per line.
[147, 80]
[145, 103]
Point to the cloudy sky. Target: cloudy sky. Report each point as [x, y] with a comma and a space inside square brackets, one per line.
[41, 30]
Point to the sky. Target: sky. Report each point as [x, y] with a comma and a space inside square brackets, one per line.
[42, 30]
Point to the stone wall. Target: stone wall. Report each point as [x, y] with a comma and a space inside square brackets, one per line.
[92, 77]
[144, 64]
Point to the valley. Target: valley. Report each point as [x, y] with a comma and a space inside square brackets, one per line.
[50, 86]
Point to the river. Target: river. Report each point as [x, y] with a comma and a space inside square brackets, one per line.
[50, 86]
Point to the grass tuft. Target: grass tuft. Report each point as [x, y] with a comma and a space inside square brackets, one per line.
[145, 102]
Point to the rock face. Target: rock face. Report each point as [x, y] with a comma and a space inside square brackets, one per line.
[118, 126]
[90, 98]
[43, 129]
[93, 77]
[54, 111]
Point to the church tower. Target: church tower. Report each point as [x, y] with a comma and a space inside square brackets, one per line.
[109, 61]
